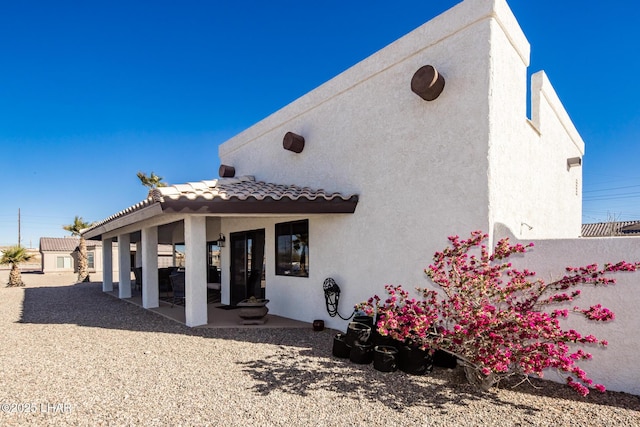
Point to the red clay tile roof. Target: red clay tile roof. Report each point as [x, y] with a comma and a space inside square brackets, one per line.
[240, 195]
[244, 188]
[617, 228]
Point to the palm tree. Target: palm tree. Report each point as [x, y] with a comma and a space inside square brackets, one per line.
[152, 181]
[75, 229]
[14, 256]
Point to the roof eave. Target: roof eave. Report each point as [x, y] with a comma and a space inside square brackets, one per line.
[265, 206]
[124, 220]
[231, 206]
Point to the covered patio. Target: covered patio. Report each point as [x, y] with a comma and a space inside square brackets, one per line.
[218, 317]
[197, 216]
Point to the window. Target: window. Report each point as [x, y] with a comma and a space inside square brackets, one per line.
[213, 262]
[292, 249]
[63, 262]
[90, 260]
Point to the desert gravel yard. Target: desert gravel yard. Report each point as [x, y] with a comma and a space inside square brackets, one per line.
[72, 355]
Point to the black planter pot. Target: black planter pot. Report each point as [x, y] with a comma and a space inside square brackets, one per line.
[357, 332]
[367, 320]
[340, 348]
[376, 338]
[385, 358]
[414, 361]
[361, 353]
[444, 359]
[385, 340]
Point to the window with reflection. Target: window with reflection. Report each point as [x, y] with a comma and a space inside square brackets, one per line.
[213, 262]
[292, 248]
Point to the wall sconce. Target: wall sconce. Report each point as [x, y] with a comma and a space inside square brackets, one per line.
[221, 240]
[573, 161]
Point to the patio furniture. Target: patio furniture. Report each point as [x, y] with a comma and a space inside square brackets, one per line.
[137, 273]
[177, 283]
[213, 292]
[164, 284]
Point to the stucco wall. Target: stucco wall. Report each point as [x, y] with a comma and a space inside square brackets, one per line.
[615, 366]
[531, 188]
[423, 170]
[50, 262]
[419, 167]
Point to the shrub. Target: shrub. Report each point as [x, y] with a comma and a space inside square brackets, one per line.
[498, 320]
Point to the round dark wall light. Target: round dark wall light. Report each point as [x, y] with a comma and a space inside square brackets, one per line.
[293, 142]
[427, 83]
[227, 171]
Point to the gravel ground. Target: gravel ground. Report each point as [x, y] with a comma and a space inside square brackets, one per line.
[72, 355]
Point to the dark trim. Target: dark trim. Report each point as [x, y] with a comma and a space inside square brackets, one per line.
[265, 206]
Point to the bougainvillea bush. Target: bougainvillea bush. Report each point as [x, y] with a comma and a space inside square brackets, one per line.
[499, 321]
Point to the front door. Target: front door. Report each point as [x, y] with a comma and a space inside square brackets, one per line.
[247, 265]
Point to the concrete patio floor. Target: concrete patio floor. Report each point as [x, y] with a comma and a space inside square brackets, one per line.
[217, 317]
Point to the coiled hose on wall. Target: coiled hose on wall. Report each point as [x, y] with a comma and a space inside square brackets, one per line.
[332, 298]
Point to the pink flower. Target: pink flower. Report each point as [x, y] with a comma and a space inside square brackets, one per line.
[498, 318]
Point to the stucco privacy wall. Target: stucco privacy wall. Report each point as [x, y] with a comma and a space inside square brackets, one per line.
[615, 366]
[367, 133]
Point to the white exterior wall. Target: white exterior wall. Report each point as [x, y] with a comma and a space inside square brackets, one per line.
[615, 366]
[423, 170]
[530, 185]
[419, 167]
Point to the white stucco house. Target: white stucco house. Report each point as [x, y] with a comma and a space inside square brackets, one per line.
[363, 178]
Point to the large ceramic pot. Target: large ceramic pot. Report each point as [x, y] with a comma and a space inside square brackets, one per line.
[253, 311]
[385, 358]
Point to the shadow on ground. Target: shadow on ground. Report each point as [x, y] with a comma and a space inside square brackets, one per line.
[303, 362]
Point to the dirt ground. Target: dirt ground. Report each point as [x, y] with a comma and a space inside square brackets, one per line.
[33, 277]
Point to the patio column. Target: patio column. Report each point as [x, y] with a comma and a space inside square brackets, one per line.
[149, 255]
[195, 240]
[107, 265]
[124, 266]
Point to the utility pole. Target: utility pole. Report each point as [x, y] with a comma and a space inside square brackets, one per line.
[19, 237]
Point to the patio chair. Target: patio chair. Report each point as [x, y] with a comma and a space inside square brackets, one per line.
[177, 283]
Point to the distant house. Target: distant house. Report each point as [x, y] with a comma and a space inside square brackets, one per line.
[60, 254]
[613, 228]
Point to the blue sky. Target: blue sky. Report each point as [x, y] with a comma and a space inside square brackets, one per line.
[93, 92]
